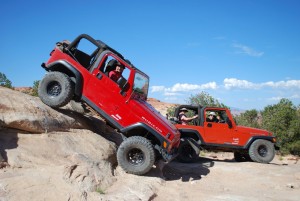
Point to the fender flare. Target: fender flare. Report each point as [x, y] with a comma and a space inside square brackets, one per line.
[253, 138]
[67, 68]
[160, 138]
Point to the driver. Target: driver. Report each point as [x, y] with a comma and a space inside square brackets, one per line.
[117, 73]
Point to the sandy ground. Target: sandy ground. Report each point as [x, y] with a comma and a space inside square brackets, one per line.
[219, 177]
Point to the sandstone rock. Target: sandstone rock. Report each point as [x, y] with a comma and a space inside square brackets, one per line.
[28, 113]
[43, 156]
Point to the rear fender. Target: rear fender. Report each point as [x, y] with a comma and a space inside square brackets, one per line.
[143, 130]
[160, 143]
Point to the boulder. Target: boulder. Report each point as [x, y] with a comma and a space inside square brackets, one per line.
[28, 113]
[48, 154]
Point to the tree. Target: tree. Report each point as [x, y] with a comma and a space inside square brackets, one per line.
[249, 118]
[204, 99]
[283, 120]
[35, 88]
[171, 111]
[4, 82]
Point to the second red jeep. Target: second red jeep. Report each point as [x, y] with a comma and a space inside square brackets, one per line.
[216, 130]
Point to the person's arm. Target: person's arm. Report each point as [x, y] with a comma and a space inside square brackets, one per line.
[188, 118]
[112, 75]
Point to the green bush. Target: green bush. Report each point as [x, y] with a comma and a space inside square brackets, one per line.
[294, 148]
[4, 82]
[35, 88]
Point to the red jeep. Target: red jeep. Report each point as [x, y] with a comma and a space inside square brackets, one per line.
[219, 132]
[79, 70]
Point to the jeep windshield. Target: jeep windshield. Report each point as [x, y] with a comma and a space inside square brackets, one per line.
[141, 85]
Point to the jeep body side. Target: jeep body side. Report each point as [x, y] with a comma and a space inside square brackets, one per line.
[224, 135]
[79, 70]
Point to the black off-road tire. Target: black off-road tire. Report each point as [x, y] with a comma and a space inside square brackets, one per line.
[56, 89]
[186, 153]
[241, 157]
[262, 151]
[136, 155]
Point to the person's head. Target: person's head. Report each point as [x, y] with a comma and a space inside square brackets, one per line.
[211, 115]
[183, 110]
[119, 68]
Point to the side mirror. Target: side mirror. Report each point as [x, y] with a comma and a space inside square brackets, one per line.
[122, 82]
[228, 121]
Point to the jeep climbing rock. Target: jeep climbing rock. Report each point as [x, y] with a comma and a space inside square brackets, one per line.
[79, 71]
[219, 132]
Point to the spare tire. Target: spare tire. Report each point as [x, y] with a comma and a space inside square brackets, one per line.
[56, 89]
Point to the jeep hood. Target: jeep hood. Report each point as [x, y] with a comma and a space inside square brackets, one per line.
[253, 131]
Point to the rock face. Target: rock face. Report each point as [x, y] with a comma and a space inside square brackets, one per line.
[28, 113]
[57, 165]
[48, 154]
[51, 154]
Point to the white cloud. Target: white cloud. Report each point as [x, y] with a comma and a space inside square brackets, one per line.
[171, 98]
[243, 49]
[290, 97]
[191, 87]
[283, 84]
[230, 83]
[235, 83]
[172, 94]
[265, 92]
[275, 98]
[157, 88]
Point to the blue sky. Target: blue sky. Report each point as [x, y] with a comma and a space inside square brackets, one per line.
[244, 53]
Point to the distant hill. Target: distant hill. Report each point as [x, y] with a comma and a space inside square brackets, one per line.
[162, 107]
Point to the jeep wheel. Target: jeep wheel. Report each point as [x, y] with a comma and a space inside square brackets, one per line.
[56, 89]
[262, 151]
[241, 157]
[136, 155]
[186, 153]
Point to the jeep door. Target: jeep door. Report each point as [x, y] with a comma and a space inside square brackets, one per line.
[104, 92]
[216, 131]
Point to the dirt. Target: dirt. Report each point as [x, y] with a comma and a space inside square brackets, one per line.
[42, 159]
[219, 177]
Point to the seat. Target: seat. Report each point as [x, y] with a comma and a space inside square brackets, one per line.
[83, 58]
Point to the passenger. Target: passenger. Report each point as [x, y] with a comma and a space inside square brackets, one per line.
[183, 118]
[218, 119]
[212, 117]
[117, 73]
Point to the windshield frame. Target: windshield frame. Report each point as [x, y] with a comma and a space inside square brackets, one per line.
[141, 85]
